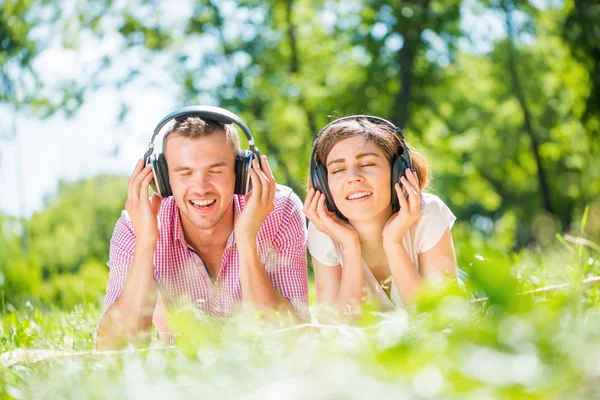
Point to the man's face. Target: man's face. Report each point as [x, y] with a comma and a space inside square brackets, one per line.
[202, 177]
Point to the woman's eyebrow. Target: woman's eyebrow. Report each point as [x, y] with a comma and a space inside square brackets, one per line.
[339, 160]
[361, 155]
[358, 157]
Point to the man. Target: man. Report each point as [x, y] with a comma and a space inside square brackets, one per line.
[205, 245]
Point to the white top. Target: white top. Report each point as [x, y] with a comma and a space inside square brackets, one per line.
[422, 236]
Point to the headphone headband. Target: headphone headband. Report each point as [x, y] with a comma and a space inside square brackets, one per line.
[217, 114]
[369, 117]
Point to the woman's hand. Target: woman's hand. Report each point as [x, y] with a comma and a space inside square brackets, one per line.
[327, 222]
[410, 209]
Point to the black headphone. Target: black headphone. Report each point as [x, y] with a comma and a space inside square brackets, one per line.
[243, 161]
[399, 163]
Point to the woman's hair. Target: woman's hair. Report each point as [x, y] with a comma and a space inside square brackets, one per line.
[381, 134]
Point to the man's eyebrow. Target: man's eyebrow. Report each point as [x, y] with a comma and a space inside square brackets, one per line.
[358, 156]
[180, 168]
[217, 164]
[221, 163]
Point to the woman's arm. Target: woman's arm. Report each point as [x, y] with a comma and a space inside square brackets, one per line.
[439, 261]
[434, 264]
[341, 288]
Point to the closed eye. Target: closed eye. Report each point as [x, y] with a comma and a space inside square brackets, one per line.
[335, 171]
[367, 165]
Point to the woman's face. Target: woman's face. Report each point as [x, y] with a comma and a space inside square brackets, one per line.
[359, 177]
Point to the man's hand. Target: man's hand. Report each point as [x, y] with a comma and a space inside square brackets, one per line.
[141, 211]
[259, 202]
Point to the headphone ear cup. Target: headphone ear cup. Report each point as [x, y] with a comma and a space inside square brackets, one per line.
[320, 174]
[164, 172]
[243, 163]
[399, 167]
[160, 183]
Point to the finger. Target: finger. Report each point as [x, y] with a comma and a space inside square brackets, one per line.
[401, 198]
[264, 165]
[413, 197]
[136, 170]
[136, 185]
[256, 184]
[138, 167]
[144, 186]
[408, 186]
[264, 181]
[308, 199]
[321, 209]
[312, 208]
[414, 179]
[326, 219]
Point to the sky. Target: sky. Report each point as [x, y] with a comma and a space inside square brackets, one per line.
[59, 148]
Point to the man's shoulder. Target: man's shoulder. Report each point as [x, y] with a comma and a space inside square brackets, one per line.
[286, 221]
[285, 195]
[286, 201]
[287, 205]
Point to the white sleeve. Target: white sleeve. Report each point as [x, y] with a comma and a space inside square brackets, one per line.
[435, 218]
[322, 247]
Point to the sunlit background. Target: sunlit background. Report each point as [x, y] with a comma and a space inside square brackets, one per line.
[503, 96]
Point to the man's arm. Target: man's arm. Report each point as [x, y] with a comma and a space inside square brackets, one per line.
[257, 287]
[134, 300]
[130, 314]
[289, 261]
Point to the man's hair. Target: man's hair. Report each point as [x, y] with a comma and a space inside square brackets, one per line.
[382, 135]
[194, 127]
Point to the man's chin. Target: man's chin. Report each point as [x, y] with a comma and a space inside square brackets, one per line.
[205, 223]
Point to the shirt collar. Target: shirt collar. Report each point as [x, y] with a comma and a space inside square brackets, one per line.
[238, 205]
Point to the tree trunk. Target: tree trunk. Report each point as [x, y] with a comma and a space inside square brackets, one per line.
[528, 127]
[295, 64]
[400, 113]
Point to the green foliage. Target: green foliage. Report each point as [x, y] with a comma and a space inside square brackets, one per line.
[77, 224]
[511, 132]
[512, 346]
[68, 243]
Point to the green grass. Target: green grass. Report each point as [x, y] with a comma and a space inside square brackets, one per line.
[511, 346]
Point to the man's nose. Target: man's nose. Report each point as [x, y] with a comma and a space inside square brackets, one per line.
[201, 181]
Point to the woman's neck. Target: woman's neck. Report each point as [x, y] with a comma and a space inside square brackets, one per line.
[370, 232]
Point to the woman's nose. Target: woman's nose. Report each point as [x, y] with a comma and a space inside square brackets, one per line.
[354, 176]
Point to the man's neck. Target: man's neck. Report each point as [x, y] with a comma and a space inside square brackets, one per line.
[207, 240]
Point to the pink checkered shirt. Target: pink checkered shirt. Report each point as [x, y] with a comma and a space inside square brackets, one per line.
[181, 275]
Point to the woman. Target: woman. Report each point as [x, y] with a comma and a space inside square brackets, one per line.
[372, 227]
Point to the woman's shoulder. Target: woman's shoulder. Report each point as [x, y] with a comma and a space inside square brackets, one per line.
[435, 218]
[322, 247]
[433, 206]
[430, 200]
